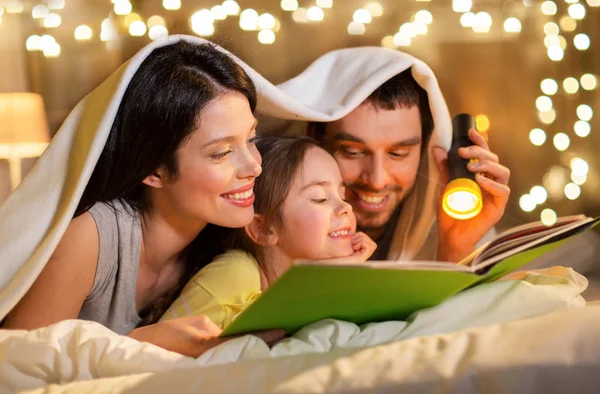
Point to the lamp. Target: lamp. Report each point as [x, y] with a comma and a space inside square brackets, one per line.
[23, 130]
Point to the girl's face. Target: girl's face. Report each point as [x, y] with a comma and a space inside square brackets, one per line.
[217, 167]
[317, 223]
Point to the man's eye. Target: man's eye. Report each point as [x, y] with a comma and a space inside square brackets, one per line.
[398, 155]
[350, 152]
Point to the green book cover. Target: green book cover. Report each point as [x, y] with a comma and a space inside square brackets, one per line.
[380, 291]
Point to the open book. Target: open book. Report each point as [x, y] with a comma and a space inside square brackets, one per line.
[393, 290]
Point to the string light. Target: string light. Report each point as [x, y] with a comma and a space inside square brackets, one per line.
[375, 9]
[231, 7]
[547, 117]
[156, 20]
[356, 28]
[14, 7]
[551, 28]
[266, 21]
[561, 142]
[462, 5]
[577, 11]
[33, 43]
[123, 8]
[572, 191]
[171, 5]
[578, 179]
[129, 19]
[52, 50]
[56, 4]
[571, 85]
[582, 128]
[249, 20]
[40, 11]
[324, 3]
[555, 53]
[300, 15]
[543, 103]
[388, 42]
[549, 8]
[588, 81]
[567, 23]
[537, 137]
[424, 17]
[315, 14]
[579, 166]
[401, 40]
[512, 25]
[362, 16]
[539, 194]
[137, 28]
[289, 5]
[549, 86]
[218, 13]
[52, 20]
[83, 32]
[548, 217]
[266, 36]
[482, 22]
[584, 112]
[158, 32]
[581, 41]
[527, 203]
[467, 19]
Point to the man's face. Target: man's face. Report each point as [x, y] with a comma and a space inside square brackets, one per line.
[378, 151]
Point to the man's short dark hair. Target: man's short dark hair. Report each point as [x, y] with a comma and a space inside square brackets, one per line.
[400, 91]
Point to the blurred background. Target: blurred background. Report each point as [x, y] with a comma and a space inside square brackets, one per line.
[528, 70]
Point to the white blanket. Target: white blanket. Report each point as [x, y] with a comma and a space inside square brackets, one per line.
[75, 350]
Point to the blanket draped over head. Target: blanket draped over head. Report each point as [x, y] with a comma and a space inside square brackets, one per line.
[36, 215]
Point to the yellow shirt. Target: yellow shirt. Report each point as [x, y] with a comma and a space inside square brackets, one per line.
[221, 290]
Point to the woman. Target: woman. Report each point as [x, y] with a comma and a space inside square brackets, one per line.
[178, 167]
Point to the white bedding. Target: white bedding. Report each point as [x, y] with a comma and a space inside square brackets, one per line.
[85, 351]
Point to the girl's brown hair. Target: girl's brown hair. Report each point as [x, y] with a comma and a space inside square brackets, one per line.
[282, 159]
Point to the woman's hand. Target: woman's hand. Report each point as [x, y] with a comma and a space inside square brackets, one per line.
[191, 336]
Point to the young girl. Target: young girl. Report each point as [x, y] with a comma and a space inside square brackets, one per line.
[300, 213]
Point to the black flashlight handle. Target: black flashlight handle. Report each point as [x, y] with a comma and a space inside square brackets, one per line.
[457, 166]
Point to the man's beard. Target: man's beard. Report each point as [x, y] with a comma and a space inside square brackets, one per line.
[375, 221]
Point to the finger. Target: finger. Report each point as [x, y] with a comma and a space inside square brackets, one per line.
[475, 152]
[496, 189]
[478, 139]
[493, 170]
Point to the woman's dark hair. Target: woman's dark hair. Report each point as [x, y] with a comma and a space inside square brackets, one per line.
[158, 113]
[282, 158]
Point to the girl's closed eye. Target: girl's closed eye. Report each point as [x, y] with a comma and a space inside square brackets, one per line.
[221, 155]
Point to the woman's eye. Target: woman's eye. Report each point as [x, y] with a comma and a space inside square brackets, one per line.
[221, 156]
[252, 141]
[320, 200]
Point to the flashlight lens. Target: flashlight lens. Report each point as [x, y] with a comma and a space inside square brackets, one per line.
[462, 201]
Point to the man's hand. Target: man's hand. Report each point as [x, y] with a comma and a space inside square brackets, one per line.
[191, 336]
[458, 238]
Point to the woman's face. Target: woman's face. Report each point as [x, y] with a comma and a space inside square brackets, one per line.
[317, 222]
[217, 166]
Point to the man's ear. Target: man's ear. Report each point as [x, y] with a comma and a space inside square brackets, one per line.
[157, 179]
[260, 235]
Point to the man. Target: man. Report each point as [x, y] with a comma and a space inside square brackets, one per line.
[382, 147]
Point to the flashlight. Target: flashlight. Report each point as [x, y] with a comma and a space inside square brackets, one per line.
[462, 196]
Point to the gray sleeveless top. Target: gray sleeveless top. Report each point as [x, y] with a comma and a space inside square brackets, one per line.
[112, 299]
